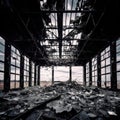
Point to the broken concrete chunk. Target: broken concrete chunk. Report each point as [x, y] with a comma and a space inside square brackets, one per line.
[22, 110]
[2, 113]
[103, 113]
[99, 118]
[16, 99]
[81, 116]
[100, 95]
[92, 97]
[13, 113]
[91, 101]
[96, 89]
[112, 113]
[3, 99]
[13, 93]
[25, 92]
[17, 106]
[117, 98]
[92, 116]
[59, 106]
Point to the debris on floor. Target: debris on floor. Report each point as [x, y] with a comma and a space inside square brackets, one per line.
[76, 102]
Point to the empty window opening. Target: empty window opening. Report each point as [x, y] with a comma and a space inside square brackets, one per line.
[77, 74]
[2, 56]
[45, 76]
[61, 73]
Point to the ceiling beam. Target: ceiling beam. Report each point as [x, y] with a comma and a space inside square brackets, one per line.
[90, 39]
[60, 24]
[60, 11]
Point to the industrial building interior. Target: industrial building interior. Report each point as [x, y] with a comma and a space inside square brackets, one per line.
[37, 34]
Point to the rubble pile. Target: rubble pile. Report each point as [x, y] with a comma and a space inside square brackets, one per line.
[76, 103]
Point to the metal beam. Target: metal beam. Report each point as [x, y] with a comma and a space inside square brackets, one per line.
[84, 74]
[98, 70]
[7, 66]
[90, 72]
[30, 73]
[21, 71]
[113, 65]
[90, 39]
[18, 16]
[60, 24]
[38, 83]
[52, 74]
[57, 45]
[35, 75]
[70, 73]
[60, 11]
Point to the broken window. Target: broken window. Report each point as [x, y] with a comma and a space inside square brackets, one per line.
[37, 74]
[118, 62]
[105, 67]
[33, 73]
[2, 55]
[77, 74]
[63, 29]
[45, 76]
[15, 68]
[94, 71]
[87, 74]
[61, 73]
[26, 71]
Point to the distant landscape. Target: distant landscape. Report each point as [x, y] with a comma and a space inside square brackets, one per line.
[42, 84]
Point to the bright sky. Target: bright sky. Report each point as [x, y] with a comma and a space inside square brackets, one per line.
[61, 73]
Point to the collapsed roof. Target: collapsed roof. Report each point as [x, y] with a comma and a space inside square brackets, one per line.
[60, 32]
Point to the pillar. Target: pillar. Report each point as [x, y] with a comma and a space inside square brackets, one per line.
[98, 70]
[84, 74]
[30, 73]
[35, 75]
[21, 71]
[70, 73]
[113, 65]
[7, 66]
[38, 82]
[52, 74]
[90, 72]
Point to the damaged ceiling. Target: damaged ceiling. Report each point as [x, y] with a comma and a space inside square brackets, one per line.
[60, 32]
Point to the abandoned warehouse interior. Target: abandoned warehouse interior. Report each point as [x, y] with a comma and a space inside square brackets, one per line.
[80, 36]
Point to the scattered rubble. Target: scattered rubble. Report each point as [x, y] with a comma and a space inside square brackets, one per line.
[76, 103]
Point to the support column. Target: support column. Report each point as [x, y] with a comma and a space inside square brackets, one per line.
[113, 65]
[7, 66]
[98, 71]
[52, 74]
[21, 71]
[30, 73]
[90, 72]
[70, 73]
[35, 75]
[84, 72]
[38, 75]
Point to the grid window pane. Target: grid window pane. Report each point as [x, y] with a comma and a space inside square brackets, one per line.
[26, 71]
[15, 68]
[118, 80]
[2, 57]
[94, 71]
[118, 62]
[46, 76]
[105, 67]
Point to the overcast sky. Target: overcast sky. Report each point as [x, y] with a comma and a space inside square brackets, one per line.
[62, 73]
